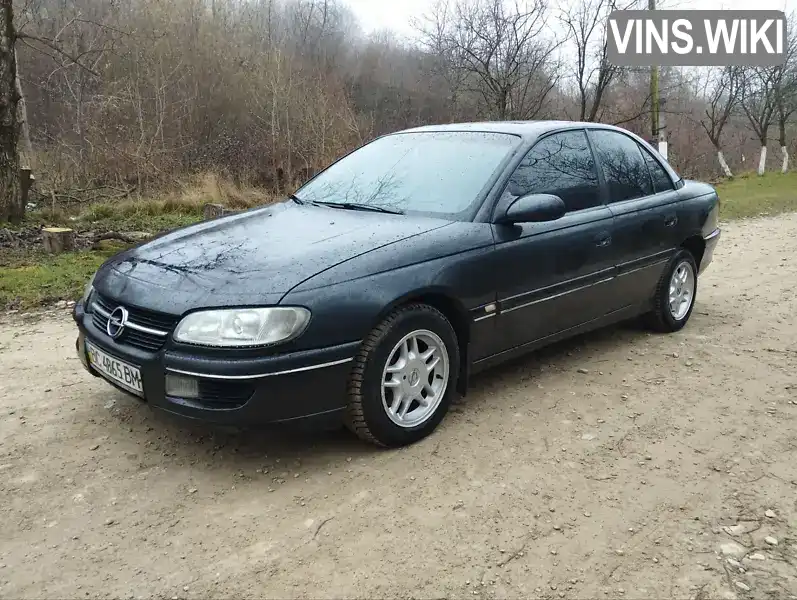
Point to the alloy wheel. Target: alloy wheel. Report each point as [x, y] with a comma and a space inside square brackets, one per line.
[682, 290]
[415, 378]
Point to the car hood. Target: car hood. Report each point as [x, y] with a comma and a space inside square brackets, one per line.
[253, 257]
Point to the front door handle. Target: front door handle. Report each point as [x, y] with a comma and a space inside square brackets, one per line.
[604, 241]
[670, 221]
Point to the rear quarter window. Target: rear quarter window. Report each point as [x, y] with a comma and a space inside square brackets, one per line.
[661, 180]
[624, 167]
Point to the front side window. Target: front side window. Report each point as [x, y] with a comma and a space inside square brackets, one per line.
[624, 168]
[560, 164]
[441, 173]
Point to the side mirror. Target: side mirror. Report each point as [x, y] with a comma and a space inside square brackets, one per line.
[534, 208]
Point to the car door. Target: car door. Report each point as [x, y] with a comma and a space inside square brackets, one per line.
[642, 198]
[552, 276]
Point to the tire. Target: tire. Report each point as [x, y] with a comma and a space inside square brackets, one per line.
[374, 410]
[664, 318]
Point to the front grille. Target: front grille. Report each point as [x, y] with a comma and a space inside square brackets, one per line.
[143, 340]
[223, 393]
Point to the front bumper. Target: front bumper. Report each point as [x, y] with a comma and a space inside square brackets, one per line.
[253, 391]
[710, 241]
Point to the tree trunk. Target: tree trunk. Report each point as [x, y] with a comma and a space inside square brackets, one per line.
[26, 149]
[724, 165]
[785, 166]
[11, 208]
[502, 105]
[762, 161]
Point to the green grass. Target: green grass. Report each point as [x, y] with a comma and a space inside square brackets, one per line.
[33, 280]
[30, 278]
[749, 195]
[144, 215]
[142, 222]
[149, 215]
[152, 216]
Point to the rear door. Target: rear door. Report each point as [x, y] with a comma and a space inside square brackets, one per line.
[556, 275]
[643, 200]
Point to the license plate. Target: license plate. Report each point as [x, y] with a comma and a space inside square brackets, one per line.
[113, 369]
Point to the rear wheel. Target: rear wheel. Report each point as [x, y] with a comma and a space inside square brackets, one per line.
[404, 377]
[675, 295]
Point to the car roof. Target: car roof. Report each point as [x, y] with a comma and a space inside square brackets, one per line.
[529, 131]
[525, 129]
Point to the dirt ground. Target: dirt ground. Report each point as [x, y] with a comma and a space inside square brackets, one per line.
[620, 464]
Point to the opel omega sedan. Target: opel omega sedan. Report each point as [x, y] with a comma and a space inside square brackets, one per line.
[370, 296]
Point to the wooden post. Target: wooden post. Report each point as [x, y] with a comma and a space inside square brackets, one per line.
[58, 239]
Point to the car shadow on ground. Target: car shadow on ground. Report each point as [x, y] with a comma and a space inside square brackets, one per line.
[206, 446]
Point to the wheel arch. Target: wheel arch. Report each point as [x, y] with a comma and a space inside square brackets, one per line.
[697, 246]
[453, 309]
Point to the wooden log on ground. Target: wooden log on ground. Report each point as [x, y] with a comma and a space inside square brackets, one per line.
[130, 238]
[58, 239]
[213, 211]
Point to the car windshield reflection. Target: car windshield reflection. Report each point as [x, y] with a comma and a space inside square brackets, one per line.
[426, 172]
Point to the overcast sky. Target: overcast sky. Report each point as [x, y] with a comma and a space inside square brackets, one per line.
[396, 14]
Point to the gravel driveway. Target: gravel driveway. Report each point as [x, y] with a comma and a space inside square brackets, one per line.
[620, 464]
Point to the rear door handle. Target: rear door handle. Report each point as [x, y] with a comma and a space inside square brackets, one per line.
[670, 221]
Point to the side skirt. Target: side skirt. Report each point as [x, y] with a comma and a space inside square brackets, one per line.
[628, 312]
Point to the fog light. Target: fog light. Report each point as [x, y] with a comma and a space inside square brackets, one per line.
[182, 387]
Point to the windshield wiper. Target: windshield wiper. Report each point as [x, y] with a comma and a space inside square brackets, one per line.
[296, 199]
[356, 206]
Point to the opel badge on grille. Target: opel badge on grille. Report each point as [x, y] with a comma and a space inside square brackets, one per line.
[116, 322]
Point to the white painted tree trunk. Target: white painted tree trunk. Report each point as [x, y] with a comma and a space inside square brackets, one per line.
[785, 167]
[724, 165]
[762, 162]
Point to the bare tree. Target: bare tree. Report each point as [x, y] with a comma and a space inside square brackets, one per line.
[593, 73]
[52, 48]
[722, 92]
[501, 52]
[152, 95]
[786, 91]
[787, 106]
[446, 58]
[759, 102]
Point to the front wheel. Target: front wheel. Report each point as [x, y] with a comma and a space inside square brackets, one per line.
[404, 377]
[675, 295]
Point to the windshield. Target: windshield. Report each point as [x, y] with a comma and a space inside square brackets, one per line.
[435, 172]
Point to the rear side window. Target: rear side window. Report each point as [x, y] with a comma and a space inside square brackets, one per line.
[560, 164]
[624, 168]
[661, 180]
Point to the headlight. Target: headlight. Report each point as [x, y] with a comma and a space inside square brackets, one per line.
[242, 326]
